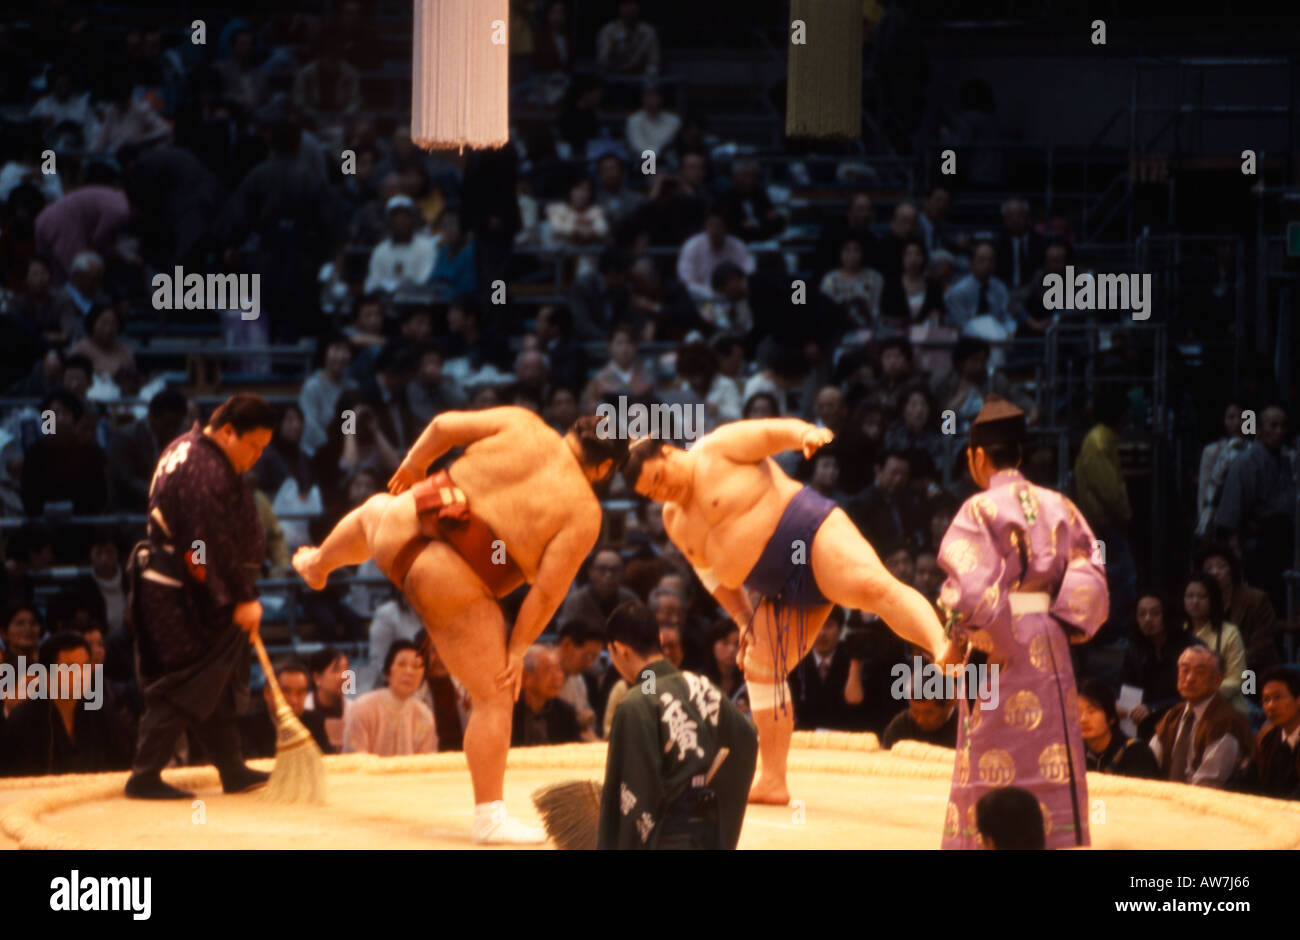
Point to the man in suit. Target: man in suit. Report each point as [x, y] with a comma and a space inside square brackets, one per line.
[817, 683]
[884, 514]
[979, 293]
[1204, 740]
[541, 716]
[1020, 250]
[133, 450]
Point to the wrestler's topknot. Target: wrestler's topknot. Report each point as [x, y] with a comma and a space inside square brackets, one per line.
[597, 447]
[642, 449]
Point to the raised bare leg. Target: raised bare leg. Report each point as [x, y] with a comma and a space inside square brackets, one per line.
[349, 543]
[850, 574]
[773, 711]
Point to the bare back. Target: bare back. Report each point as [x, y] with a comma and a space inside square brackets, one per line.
[733, 509]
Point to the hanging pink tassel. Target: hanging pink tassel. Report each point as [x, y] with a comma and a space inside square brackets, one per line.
[459, 75]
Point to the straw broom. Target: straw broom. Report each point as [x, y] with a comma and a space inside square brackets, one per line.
[571, 810]
[299, 772]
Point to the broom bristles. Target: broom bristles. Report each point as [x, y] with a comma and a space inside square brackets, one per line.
[299, 772]
[570, 812]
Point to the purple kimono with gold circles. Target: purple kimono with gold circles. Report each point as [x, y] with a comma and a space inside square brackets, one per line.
[1017, 537]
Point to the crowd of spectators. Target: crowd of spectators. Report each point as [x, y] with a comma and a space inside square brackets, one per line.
[615, 248]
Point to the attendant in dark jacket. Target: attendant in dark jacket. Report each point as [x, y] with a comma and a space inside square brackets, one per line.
[541, 716]
[1151, 663]
[195, 596]
[66, 731]
[1106, 748]
[1278, 757]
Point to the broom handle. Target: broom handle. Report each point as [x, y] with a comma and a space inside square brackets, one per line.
[256, 640]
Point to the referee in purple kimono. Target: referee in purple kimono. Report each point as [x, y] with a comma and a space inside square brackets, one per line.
[1023, 583]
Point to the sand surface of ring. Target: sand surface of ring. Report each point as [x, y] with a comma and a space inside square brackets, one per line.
[846, 793]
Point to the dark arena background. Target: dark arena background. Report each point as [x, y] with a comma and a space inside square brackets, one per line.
[1091, 209]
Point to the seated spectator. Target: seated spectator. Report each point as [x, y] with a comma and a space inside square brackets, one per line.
[962, 390]
[600, 299]
[320, 394]
[446, 698]
[1106, 748]
[65, 730]
[540, 715]
[327, 87]
[406, 256]
[578, 221]
[109, 581]
[908, 296]
[1203, 741]
[392, 720]
[728, 308]
[62, 109]
[884, 512]
[903, 228]
[38, 307]
[915, 430]
[979, 293]
[720, 667]
[854, 224]
[817, 683]
[591, 604]
[125, 119]
[652, 129]
[74, 301]
[102, 344]
[133, 449]
[65, 465]
[258, 728]
[761, 405]
[628, 45]
[702, 253]
[897, 374]
[748, 209]
[385, 396]
[1019, 247]
[930, 721]
[623, 374]
[1010, 818]
[929, 576]
[284, 458]
[21, 632]
[612, 192]
[578, 649]
[454, 269]
[855, 288]
[1151, 660]
[431, 392]
[782, 377]
[367, 331]
[935, 233]
[1278, 758]
[242, 81]
[677, 205]
[1203, 618]
[332, 682]
[555, 43]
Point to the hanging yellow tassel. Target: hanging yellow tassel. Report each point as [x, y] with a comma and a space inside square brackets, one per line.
[824, 87]
[460, 90]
